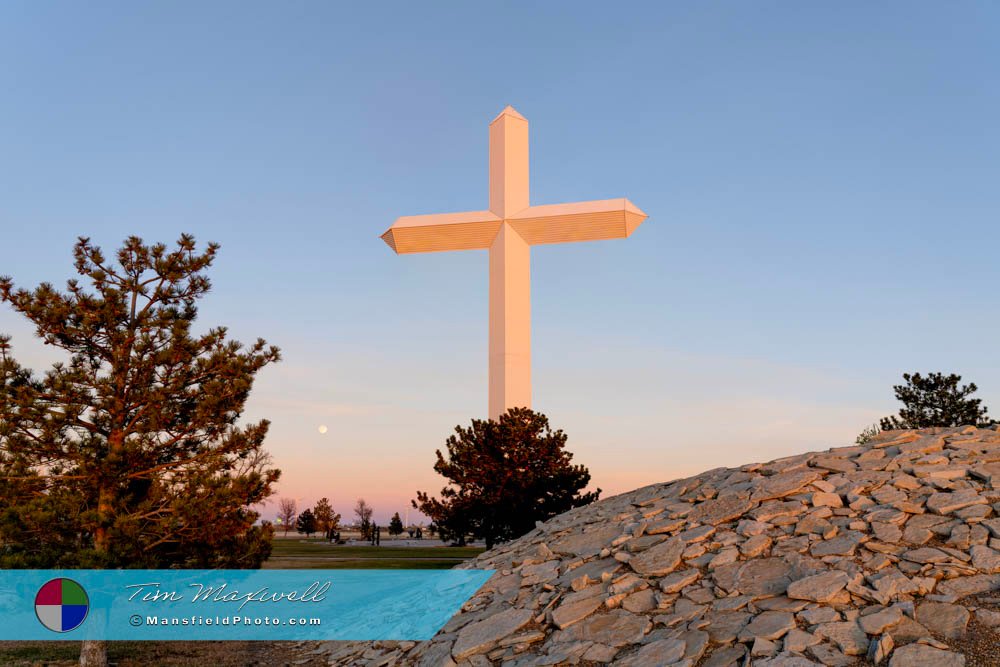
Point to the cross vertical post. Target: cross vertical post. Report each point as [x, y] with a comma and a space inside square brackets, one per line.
[510, 268]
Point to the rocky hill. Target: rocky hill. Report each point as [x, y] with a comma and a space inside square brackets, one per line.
[883, 553]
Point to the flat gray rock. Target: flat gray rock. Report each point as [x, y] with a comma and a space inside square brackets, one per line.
[616, 628]
[655, 654]
[819, 587]
[720, 510]
[482, 636]
[947, 620]
[880, 621]
[768, 625]
[659, 560]
[847, 635]
[782, 484]
[920, 655]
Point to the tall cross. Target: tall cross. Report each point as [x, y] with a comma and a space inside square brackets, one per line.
[508, 229]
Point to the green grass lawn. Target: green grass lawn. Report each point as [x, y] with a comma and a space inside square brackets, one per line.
[320, 554]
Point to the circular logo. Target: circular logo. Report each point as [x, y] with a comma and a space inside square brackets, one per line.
[61, 605]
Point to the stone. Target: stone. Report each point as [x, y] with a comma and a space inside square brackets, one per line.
[887, 532]
[768, 625]
[797, 641]
[988, 617]
[601, 653]
[437, 655]
[908, 630]
[724, 557]
[763, 648]
[813, 524]
[993, 525]
[830, 656]
[880, 621]
[539, 573]
[587, 543]
[482, 636]
[786, 660]
[699, 534]
[655, 654]
[978, 583]
[819, 615]
[781, 485]
[847, 635]
[725, 626]
[916, 535]
[720, 510]
[880, 649]
[819, 587]
[947, 620]
[755, 546]
[573, 610]
[696, 643]
[946, 503]
[678, 580]
[750, 528]
[640, 601]
[529, 637]
[616, 628]
[985, 559]
[842, 545]
[665, 526]
[820, 499]
[762, 577]
[989, 472]
[925, 555]
[780, 603]
[659, 560]
[725, 657]
[920, 655]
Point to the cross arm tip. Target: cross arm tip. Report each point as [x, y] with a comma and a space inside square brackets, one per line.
[389, 240]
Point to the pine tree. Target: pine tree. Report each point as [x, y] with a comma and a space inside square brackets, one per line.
[503, 477]
[936, 400]
[128, 454]
[306, 523]
[395, 525]
[327, 521]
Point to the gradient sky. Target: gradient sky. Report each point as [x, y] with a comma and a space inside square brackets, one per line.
[822, 181]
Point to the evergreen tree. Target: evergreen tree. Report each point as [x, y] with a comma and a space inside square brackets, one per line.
[503, 477]
[936, 400]
[327, 521]
[395, 525]
[306, 523]
[128, 454]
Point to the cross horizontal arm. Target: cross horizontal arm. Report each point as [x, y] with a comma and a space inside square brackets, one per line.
[581, 221]
[473, 230]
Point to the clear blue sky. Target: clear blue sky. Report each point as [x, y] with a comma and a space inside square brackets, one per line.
[822, 181]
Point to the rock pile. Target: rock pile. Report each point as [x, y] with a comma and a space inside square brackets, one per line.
[887, 552]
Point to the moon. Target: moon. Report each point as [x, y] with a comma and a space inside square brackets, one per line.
[322, 429]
